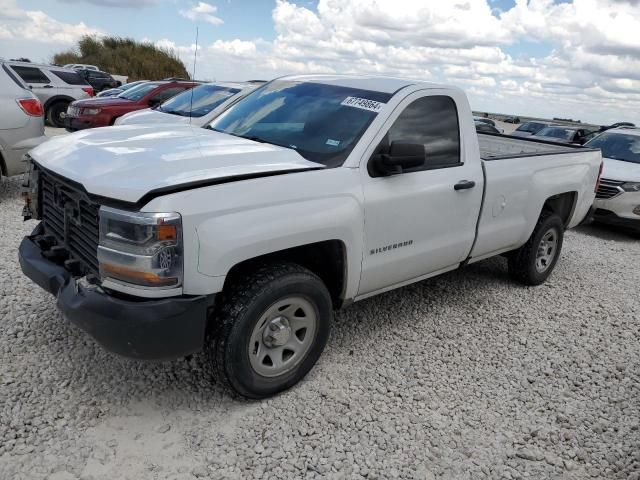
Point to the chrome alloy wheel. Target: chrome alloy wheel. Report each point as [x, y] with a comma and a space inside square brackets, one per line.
[546, 250]
[282, 336]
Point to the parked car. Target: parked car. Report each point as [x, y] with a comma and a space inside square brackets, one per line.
[82, 66]
[488, 121]
[114, 92]
[486, 128]
[618, 195]
[529, 128]
[197, 106]
[264, 233]
[563, 134]
[98, 80]
[511, 119]
[55, 87]
[21, 122]
[102, 112]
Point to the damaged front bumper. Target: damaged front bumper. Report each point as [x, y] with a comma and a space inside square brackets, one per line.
[156, 329]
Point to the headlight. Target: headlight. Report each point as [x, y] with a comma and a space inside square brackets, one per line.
[30, 184]
[631, 187]
[90, 111]
[138, 248]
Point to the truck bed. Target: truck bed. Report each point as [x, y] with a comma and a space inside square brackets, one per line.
[499, 147]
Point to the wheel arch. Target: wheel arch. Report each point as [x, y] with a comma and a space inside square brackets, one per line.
[327, 259]
[56, 99]
[562, 204]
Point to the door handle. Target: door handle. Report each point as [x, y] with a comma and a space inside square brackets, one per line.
[48, 86]
[464, 185]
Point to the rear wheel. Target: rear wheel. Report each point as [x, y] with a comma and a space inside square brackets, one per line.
[274, 324]
[54, 113]
[532, 263]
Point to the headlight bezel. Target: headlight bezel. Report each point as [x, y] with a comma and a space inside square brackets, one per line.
[141, 249]
[91, 111]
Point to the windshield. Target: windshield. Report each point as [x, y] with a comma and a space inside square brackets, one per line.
[321, 122]
[136, 93]
[618, 146]
[200, 101]
[531, 127]
[556, 132]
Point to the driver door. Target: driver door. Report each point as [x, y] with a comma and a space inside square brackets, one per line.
[421, 220]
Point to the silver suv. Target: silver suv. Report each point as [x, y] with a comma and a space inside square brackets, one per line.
[56, 87]
[21, 122]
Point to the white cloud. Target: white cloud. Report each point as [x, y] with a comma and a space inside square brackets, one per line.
[117, 3]
[204, 12]
[37, 26]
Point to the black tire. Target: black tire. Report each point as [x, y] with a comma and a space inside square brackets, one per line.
[243, 304]
[522, 262]
[53, 113]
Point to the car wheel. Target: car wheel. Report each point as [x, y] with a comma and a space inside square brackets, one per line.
[532, 263]
[273, 325]
[54, 114]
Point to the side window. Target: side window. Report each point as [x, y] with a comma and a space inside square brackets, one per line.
[31, 74]
[166, 94]
[71, 78]
[433, 122]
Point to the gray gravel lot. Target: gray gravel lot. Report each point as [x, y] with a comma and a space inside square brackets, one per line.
[461, 377]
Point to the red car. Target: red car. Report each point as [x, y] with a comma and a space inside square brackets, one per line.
[102, 112]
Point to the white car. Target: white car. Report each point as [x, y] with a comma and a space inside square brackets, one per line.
[196, 107]
[21, 122]
[618, 197]
[242, 238]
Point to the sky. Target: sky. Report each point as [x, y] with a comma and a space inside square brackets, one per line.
[575, 59]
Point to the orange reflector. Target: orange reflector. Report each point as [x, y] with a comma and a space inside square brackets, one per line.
[136, 276]
[167, 232]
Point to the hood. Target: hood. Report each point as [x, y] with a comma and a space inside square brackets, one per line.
[127, 162]
[620, 170]
[148, 116]
[102, 102]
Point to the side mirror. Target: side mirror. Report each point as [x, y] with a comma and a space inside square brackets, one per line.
[400, 157]
[153, 103]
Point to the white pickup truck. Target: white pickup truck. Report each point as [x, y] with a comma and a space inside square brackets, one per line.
[312, 192]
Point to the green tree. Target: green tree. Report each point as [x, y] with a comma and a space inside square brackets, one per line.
[125, 56]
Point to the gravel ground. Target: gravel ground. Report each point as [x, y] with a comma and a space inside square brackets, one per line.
[465, 376]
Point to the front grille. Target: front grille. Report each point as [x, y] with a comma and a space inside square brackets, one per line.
[72, 219]
[609, 188]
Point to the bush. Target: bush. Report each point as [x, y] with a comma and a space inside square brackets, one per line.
[125, 56]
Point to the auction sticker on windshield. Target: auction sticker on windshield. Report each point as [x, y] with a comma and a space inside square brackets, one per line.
[363, 104]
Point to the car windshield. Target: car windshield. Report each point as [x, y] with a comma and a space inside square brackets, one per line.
[127, 86]
[136, 93]
[556, 132]
[618, 146]
[321, 122]
[531, 127]
[198, 101]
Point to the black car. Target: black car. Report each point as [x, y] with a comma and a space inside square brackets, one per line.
[483, 127]
[562, 134]
[98, 80]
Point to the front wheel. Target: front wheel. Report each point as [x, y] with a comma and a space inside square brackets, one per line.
[274, 325]
[532, 263]
[55, 112]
